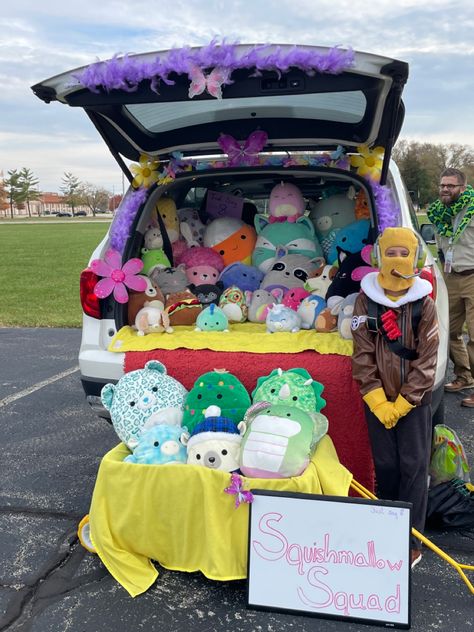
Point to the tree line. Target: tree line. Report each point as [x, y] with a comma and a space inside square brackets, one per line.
[20, 188]
[420, 165]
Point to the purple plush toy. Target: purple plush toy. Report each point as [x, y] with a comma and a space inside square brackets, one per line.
[286, 203]
[247, 278]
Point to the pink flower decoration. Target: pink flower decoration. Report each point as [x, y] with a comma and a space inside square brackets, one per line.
[117, 277]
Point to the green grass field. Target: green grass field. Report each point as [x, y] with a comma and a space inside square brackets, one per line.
[41, 266]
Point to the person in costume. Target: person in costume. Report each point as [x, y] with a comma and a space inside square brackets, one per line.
[453, 217]
[395, 333]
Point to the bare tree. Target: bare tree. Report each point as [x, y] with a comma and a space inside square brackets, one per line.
[96, 198]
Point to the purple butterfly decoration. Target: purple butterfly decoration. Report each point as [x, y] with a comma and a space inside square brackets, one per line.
[243, 153]
[237, 488]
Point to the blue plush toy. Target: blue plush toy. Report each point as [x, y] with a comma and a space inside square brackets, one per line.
[160, 444]
[143, 398]
[212, 319]
[282, 318]
[298, 238]
[247, 278]
[350, 239]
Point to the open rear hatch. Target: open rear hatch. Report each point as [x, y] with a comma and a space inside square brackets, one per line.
[299, 96]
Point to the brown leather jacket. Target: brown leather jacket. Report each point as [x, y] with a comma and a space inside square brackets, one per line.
[374, 365]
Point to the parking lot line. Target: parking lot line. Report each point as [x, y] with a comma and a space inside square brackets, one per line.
[35, 387]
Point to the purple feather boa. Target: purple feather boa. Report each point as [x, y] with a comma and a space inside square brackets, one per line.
[125, 72]
[124, 216]
[387, 211]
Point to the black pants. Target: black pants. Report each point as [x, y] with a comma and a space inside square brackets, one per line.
[401, 458]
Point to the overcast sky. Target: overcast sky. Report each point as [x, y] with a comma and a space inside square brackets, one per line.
[40, 39]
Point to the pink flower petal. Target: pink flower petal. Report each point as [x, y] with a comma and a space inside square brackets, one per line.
[104, 287]
[137, 283]
[99, 267]
[133, 266]
[113, 258]
[120, 293]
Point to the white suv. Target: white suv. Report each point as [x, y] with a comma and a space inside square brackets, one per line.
[309, 108]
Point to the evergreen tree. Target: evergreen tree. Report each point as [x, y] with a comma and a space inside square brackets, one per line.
[29, 183]
[71, 189]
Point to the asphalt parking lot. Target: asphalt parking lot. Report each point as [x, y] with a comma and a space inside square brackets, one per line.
[52, 446]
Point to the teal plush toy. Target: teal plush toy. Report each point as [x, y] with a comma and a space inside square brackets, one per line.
[212, 319]
[350, 239]
[160, 444]
[143, 398]
[278, 440]
[216, 388]
[294, 387]
[298, 238]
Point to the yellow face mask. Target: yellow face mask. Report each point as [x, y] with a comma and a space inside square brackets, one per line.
[402, 238]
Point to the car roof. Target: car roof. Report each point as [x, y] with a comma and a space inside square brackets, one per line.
[304, 97]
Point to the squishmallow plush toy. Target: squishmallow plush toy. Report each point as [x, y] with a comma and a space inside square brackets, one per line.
[319, 280]
[215, 442]
[207, 293]
[350, 239]
[218, 388]
[326, 320]
[170, 280]
[292, 298]
[203, 265]
[286, 203]
[212, 318]
[152, 253]
[309, 309]
[331, 214]
[279, 440]
[281, 318]
[288, 271]
[136, 300]
[294, 387]
[152, 318]
[344, 282]
[160, 444]
[344, 319]
[260, 303]
[191, 227]
[233, 303]
[183, 308]
[247, 278]
[166, 207]
[232, 238]
[361, 208]
[298, 238]
[143, 398]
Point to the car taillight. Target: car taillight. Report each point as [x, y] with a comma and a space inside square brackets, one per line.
[429, 274]
[89, 301]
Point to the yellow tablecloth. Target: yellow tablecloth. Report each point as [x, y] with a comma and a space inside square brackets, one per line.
[180, 516]
[249, 337]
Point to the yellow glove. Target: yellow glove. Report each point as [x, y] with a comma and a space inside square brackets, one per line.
[384, 410]
[403, 406]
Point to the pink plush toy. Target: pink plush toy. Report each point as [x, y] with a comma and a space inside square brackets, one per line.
[286, 203]
[293, 297]
[203, 265]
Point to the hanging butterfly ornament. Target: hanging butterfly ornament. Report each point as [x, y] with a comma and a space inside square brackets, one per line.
[211, 83]
[236, 488]
[246, 153]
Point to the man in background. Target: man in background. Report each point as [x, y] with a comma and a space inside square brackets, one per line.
[453, 217]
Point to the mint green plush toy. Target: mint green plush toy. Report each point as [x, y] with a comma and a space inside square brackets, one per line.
[294, 387]
[216, 388]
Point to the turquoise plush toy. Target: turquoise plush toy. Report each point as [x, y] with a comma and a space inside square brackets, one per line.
[279, 439]
[350, 239]
[160, 444]
[143, 398]
[298, 238]
[212, 318]
[294, 387]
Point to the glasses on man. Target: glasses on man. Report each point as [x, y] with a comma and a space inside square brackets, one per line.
[451, 187]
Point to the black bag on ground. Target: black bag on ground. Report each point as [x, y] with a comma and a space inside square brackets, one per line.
[450, 504]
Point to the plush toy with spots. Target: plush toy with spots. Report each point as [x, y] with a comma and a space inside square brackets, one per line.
[218, 388]
[143, 398]
[234, 304]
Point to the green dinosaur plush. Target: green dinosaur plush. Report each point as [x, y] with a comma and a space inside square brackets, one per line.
[294, 387]
[216, 388]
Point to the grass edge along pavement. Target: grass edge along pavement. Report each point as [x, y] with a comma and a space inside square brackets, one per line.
[40, 271]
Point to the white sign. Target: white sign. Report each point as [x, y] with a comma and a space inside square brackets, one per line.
[330, 556]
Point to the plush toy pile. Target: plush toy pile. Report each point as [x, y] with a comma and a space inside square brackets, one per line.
[295, 268]
[217, 424]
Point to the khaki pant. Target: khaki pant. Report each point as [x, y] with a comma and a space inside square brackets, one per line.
[461, 310]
